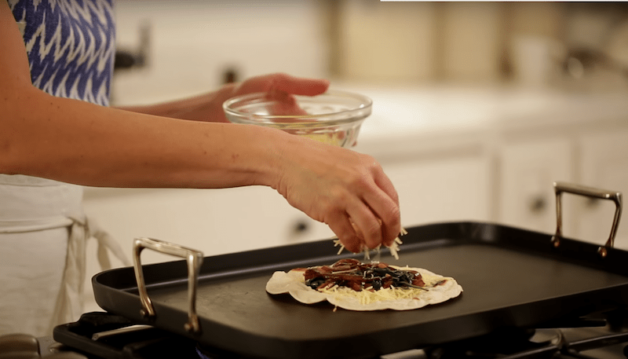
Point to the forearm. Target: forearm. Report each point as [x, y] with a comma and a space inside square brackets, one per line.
[197, 108]
[86, 144]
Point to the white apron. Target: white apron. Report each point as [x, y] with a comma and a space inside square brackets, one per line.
[43, 231]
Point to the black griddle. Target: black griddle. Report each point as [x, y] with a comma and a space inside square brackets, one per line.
[511, 278]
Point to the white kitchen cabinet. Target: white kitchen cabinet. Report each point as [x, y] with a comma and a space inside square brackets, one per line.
[528, 169]
[604, 165]
[213, 221]
[584, 155]
[455, 188]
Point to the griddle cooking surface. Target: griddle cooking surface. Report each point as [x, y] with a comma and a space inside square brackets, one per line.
[506, 281]
[492, 278]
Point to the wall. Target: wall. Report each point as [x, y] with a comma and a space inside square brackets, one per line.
[192, 45]
[532, 44]
[386, 41]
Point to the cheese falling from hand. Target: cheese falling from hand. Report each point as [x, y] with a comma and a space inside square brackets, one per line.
[394, 248]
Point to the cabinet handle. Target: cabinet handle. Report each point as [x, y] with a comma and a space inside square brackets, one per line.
[592, 203]
[300, 226]
[538, 204]
[560, 187]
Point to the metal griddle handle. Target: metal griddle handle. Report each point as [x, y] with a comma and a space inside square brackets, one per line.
[560, 187]
[194, 261]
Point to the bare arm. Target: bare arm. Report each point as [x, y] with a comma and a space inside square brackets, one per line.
[86, 144]
[205, 107]
[82, 143]
[208, 107]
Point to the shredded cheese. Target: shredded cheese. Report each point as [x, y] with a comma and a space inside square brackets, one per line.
[394, 248]
[368, 296]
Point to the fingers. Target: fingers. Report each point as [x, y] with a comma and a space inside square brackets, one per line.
[341, 226]
[387, 212]
[284, 104]
[280, 88]
[375, 220]
[376, 213]
[385, 202]
[299, 86]
[285, 83]
[382, 181]
[367, 224]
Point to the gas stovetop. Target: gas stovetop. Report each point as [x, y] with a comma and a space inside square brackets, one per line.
[101, 335]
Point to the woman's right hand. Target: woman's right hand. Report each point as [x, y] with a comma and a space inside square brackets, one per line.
[342, 188]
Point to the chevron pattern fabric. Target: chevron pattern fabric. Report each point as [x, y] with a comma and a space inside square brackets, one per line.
[70, 46]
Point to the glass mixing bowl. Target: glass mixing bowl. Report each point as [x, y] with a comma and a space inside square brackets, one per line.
[334, 117]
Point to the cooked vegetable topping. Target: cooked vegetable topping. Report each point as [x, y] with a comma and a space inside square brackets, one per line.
[359, 276]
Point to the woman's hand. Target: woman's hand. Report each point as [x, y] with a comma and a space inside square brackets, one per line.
[279, 87]
[208, 107]
[342, 188]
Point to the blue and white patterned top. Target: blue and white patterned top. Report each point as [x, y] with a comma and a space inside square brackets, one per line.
[70, 46]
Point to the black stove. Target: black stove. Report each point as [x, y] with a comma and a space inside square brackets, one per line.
[598, 335]
[101, 335]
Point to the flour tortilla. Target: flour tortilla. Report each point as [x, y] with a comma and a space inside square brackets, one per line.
[294, 283]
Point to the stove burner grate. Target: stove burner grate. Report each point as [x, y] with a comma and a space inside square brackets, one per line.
[601, 336]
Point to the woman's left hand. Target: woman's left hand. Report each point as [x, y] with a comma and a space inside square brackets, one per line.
[208, 107]
[279, 87]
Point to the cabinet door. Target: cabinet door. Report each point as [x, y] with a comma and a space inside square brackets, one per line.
[443, 189]
[604, 165]
[527, 172]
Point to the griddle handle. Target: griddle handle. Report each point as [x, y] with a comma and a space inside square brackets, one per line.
[560, 187]
[194, 260]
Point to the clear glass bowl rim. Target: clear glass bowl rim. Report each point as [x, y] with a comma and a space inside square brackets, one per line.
[365, 105]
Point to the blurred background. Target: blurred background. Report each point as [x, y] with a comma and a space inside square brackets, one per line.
[187, 49]
[478, 108]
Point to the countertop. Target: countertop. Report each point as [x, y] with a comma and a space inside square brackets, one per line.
[430, 109]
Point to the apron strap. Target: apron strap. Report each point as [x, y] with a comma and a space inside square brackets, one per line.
[106, 243]
[69, 304]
